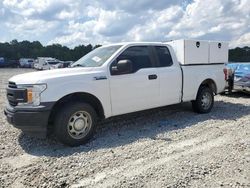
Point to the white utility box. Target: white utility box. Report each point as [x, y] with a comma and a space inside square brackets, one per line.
[191, 52]
[218, 52]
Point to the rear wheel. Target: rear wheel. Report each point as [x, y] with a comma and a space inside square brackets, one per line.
[75, 123]
[204, 101]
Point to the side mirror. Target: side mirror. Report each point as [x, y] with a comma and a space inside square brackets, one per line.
[122, 67]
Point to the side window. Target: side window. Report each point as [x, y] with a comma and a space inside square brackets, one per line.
[164, 56]
[138, 55]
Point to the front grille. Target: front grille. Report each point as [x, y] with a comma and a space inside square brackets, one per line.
[15, 95]
[12, 103]
[12, 85]
[10, 95]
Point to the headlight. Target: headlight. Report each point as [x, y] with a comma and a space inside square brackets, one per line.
[33, 93]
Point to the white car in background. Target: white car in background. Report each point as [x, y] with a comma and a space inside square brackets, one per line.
[63, 64]
[50, 64]
[42, 63]
[26, 62]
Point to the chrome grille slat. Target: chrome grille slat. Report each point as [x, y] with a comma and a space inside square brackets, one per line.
[11, 102]
[12, 85]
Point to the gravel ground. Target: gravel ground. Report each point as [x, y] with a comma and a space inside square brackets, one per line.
[167, 147]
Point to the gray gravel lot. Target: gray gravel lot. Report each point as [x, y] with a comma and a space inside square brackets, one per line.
[167, 147]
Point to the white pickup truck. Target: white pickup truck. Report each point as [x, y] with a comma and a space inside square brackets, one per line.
[113, 80]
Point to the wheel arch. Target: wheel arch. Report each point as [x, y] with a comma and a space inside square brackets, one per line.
[78, 96]
[210, 83]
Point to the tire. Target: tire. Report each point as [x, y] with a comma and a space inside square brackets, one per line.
[204, 101]
[75, 123]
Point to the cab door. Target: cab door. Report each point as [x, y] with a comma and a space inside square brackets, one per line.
[137, 89]
[170, 76]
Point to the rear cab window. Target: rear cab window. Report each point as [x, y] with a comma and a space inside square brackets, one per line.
[163, 55]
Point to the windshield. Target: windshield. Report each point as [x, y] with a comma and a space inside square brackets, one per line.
[97, 57]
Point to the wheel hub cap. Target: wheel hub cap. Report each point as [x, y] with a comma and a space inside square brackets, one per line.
[79, 124]
[206, 100]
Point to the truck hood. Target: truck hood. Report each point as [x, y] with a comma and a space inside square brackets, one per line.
[42, 76]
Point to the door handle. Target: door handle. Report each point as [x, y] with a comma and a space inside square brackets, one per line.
[152, 77]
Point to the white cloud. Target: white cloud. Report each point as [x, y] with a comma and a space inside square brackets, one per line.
[26, 7]
[64, 14]
[2, 11]
[214, 20]
[31, 26]
[242, 41]
[112, 23]
[29, 29]
[156, 25]
[77, 34]
[71, 22]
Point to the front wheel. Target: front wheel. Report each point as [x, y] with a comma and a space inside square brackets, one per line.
[204, 101]
[75, 123]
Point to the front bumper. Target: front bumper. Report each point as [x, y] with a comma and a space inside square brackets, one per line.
[31, 120]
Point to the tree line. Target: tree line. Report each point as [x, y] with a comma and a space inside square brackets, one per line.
[239, 54]
[15, 50]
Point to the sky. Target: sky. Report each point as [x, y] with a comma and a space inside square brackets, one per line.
[75, 22]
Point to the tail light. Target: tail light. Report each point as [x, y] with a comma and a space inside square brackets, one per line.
[225, 73]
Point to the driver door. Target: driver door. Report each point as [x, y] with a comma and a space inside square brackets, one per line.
[136, 90]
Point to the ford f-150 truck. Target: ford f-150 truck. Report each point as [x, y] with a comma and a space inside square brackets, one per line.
[113, 80]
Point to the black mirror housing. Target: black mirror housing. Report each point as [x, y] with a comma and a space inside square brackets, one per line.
[123, 67]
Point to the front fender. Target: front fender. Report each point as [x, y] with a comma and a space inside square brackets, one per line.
[99, 88]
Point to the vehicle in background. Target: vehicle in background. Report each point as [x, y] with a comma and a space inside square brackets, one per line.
[229, 76]
[2, 62]
[56, 66]
[36, 64]
[50, 63]
[64, 64]
[9, 63]
[232, 66]
[26, 62]
[242, 77]
[13, 64]
[68, 63]
[113, 80]
[40, 62]
[241, 70]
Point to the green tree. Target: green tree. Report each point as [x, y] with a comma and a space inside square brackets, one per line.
[25, 49]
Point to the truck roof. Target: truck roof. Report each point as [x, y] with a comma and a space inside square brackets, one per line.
[135, 43]
[154, 43]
